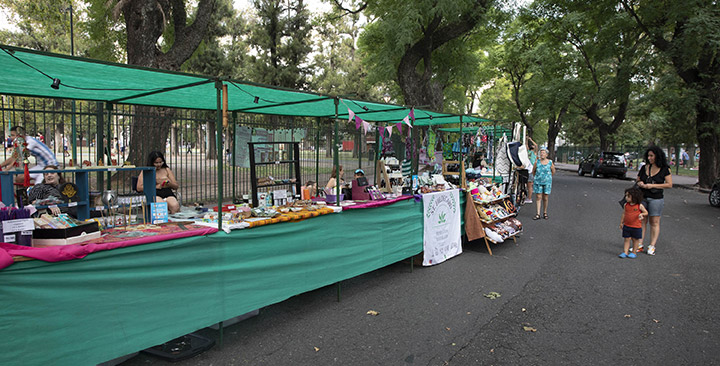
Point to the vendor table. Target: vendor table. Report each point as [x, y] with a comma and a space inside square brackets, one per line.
[117, 302]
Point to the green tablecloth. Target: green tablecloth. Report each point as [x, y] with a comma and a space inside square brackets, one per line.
[113, 303]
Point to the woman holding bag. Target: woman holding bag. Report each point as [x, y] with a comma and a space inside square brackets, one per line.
[653, 177]
[544, 170]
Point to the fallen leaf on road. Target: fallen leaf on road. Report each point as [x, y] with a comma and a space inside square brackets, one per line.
[453, 344]
[492, 350]
[627, 315]
[492, 295]
[529, 329]
[468, 313]
[656, 321]
[523, 310]
[446, 328]
[372, 312]
[316, 349]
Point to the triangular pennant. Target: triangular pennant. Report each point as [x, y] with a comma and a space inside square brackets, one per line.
[407, 121]
[351, 115]
[412, 114]
[399, 126]
[366, 127]
[389, 130]
[358, 122]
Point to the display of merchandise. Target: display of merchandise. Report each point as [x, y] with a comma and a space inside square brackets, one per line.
[496, 213]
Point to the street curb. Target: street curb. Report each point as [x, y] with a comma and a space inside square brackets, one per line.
[675, 185]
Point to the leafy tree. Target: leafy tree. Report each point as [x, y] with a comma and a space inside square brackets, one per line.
[281, 39]
[688, 35]
[611, 52]
[421, 45]
[42, 25]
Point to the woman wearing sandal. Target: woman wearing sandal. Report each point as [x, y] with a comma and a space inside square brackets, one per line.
[544, 170]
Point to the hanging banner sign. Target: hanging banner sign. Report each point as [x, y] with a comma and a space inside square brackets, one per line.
[441, 226]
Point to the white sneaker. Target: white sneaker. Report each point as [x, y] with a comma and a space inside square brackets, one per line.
[528, 201]
[651, 250]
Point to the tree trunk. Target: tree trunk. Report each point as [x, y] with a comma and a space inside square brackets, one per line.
[145, 22]
[329, 144]
[174, 142]
[709, 144]
[211, 145]
[149, 132]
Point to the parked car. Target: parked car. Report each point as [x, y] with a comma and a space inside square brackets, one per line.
[714, 197]
[605, 163]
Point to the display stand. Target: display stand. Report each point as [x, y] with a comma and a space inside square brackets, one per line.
[82, 181]
[486, 223]
[253, 168]
[461, 173]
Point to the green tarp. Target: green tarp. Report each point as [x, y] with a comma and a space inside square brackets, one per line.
[30, 73]
[113, 303]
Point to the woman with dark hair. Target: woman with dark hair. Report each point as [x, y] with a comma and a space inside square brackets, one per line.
[49, 187]
[334, 178]
[165, 182]
[653, 177]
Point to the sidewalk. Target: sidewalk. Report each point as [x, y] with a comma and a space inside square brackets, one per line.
[679, 181]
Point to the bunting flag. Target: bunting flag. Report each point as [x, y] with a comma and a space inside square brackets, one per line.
[389, 130]
[351, 115]
[358, 122]
[407, 121]
[399, 126]
[366, 127]
[412, 114]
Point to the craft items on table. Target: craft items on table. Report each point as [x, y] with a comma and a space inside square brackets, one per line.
[62, 230]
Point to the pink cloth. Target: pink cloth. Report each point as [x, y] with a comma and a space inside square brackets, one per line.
[67, 252]
[377, 203]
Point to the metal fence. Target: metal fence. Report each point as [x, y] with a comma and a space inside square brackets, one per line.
[101, 136]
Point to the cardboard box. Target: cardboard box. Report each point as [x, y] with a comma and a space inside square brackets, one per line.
[66, 236]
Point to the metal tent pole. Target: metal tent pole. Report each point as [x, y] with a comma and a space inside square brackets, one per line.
[218, 148]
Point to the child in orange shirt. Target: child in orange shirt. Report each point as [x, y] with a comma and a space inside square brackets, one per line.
[631, 221]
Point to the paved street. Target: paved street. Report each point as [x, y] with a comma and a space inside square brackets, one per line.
[562, 278]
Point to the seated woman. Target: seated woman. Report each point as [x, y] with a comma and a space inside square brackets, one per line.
[49, 187]
[165, 182]
[334, 179]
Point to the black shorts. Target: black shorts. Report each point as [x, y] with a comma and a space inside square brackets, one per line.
[632, 232]
[165, 193]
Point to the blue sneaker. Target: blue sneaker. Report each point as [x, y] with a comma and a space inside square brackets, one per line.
[623, 255]
[631, 255]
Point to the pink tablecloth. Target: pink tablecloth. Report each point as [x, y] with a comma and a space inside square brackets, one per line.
[371, 204]
[75, 251]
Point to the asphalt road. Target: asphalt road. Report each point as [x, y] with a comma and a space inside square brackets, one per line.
[562, 278]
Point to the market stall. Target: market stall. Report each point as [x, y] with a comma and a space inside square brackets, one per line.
[117, 302]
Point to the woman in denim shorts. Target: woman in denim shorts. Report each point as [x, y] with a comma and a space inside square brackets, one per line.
[652, 179]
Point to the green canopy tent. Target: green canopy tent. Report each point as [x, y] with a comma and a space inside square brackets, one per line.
[31, 73]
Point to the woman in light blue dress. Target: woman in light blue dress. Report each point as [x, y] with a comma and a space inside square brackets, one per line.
[544, 170]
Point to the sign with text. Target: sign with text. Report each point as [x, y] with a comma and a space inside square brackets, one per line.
[441, 226]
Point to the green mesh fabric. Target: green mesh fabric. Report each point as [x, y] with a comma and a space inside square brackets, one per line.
[30, 73]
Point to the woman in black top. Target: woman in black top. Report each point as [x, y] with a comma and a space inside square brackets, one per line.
[652, 178]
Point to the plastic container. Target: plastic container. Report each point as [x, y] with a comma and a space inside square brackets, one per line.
[331, 198]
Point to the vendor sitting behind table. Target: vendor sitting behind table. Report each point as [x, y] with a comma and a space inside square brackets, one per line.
[334, 179]
[165, 182]
[49, 187]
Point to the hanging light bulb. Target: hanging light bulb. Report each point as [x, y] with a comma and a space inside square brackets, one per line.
[256, 100]
[55, 84]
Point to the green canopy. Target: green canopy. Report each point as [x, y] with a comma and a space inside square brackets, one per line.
[30, 73]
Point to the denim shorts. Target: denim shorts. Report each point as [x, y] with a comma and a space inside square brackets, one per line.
[631, 232]
[654, 206]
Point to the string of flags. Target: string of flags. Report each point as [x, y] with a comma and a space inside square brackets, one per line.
[359, 122]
